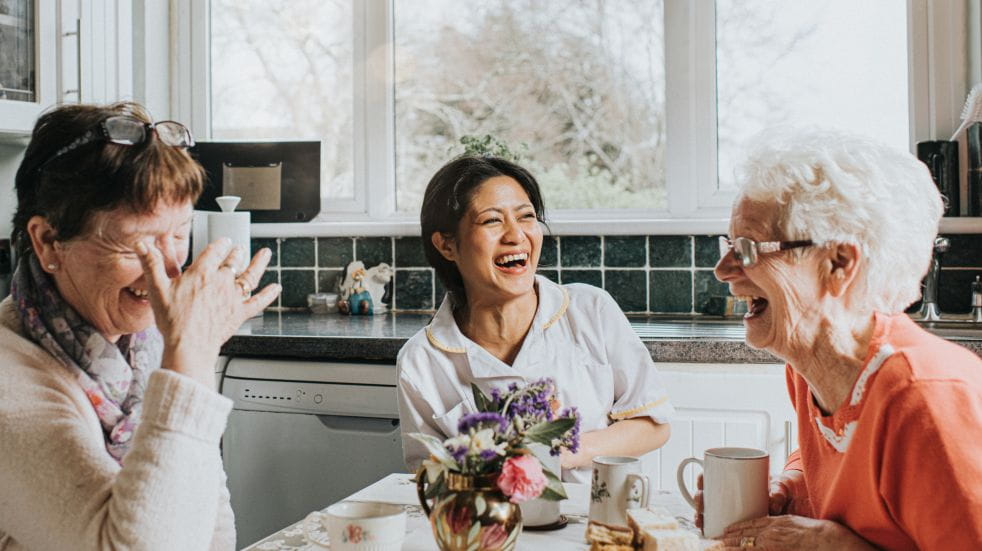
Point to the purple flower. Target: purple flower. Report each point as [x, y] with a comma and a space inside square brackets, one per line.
[482, 419]
[531, 403]
[458, 453]
[571, 440]
[488, 455]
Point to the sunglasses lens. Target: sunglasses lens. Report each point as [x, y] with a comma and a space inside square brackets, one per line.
[125, 131]
[172, 133]
[745, 251]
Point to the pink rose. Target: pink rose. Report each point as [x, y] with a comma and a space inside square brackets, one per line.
[522, 478]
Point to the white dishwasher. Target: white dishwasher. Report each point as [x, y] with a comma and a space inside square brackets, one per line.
[304, 434]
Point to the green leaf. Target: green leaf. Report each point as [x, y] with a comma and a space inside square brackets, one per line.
[435, 446]
[547, 431]
[554, 490]
[436, 489]
[481, 399]
[480, 504]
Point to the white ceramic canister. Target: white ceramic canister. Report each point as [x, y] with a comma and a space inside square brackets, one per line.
[233, 225]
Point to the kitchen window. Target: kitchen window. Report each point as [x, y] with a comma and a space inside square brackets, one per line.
[633, 114]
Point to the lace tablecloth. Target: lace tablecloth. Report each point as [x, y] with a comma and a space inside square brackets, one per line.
[400, 489]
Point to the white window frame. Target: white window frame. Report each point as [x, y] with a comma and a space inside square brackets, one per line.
[938, 62]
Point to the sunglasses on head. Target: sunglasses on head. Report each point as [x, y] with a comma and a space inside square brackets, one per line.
[125, 130]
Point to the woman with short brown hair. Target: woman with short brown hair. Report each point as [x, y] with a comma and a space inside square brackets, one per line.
[109, 417]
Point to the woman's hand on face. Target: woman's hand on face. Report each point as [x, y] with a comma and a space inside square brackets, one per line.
[197, 311]
[791, 532]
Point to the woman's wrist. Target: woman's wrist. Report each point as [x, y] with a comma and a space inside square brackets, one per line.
[197, 365]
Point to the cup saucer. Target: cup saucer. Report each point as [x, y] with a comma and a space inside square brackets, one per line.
[558, 525]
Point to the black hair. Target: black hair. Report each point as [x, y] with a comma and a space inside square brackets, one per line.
[446, 200]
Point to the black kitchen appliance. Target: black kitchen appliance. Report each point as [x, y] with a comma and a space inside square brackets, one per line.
[941, 158]
[277, 181]
[973, 199]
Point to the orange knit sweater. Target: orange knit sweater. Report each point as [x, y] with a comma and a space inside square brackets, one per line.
[900, 463]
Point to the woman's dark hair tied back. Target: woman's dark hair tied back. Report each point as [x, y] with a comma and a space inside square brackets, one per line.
[447, 198]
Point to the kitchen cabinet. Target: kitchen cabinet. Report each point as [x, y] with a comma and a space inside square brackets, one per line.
[28, 63]
[61, 52]
[744, 405]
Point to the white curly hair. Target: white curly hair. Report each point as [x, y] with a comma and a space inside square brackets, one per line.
[832, 187]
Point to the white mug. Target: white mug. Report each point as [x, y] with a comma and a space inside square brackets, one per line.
[357, 526]
[617, 486]
[542, 512]
[734, 482]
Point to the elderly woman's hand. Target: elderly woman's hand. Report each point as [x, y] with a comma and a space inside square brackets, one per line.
[781, 495]
[792, 532]
[198, 310]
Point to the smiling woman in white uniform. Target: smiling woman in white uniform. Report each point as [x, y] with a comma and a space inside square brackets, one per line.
[500, 323]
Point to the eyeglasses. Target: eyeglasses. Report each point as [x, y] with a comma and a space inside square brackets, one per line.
[125, 130]
[747, 251]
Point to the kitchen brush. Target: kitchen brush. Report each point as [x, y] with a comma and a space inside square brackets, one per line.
[972, 111]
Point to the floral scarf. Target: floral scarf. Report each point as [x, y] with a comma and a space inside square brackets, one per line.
[113, 377]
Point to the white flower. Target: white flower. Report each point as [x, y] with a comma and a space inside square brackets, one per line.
[484, 440]
[433, 470]
[459, 441]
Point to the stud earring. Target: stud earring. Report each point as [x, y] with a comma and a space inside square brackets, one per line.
[52, 267]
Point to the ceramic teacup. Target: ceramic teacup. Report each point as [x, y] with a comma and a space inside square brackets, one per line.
[734, 482]
[617, 486]
[357, 526]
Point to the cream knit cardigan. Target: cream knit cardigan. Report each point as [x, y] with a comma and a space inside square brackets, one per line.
[61, 490]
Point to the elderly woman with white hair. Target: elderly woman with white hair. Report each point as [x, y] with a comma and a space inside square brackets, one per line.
[829, 239]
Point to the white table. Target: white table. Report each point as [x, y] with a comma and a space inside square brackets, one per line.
[400, 489]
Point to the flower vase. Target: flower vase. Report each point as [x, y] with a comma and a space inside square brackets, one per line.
[471, 513]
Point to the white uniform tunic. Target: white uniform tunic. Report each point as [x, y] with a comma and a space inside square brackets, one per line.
[579, 337]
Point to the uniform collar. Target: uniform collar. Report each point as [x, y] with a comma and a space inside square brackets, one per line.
[444, 334]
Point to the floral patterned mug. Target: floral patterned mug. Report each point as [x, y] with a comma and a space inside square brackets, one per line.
[618, 485]
[357, 526]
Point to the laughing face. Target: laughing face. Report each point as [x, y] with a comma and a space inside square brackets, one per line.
[782, 294]
[99, 273]
[498, 242]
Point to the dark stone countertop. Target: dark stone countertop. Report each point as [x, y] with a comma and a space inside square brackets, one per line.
[306, 336]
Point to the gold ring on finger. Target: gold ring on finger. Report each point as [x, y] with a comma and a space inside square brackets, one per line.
[243, 286]
[747, 542]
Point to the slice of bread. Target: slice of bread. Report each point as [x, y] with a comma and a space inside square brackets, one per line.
[610, 547]
[652, 518]
[598, 532]
[669, 540]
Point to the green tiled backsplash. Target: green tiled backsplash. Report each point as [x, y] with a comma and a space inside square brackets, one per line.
[644, 274]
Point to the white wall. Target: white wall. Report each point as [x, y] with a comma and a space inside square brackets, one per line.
[10, 156]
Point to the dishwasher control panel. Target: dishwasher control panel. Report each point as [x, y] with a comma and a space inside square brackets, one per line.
[312, 397]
